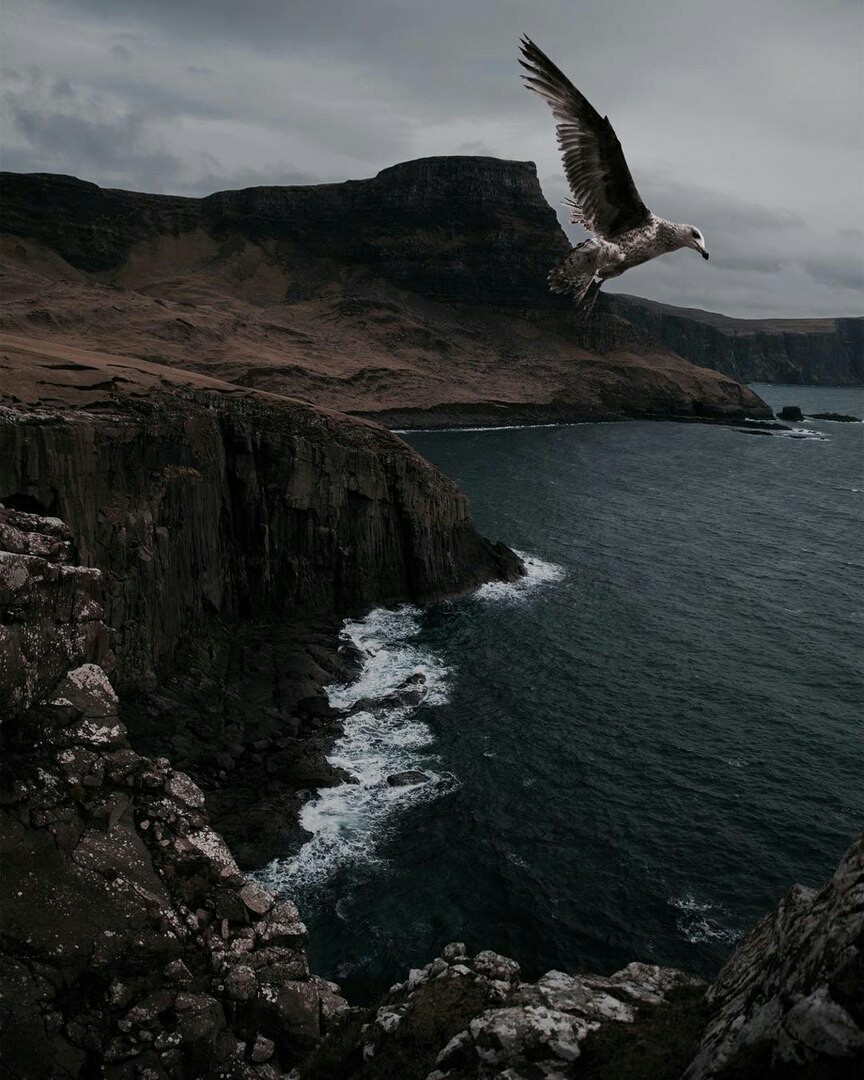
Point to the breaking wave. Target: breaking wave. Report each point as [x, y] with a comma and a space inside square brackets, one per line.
[700, 921]
[538, 574]
[384, 735]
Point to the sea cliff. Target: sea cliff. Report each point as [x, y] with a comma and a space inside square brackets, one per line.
[180, 536]
[810, 352]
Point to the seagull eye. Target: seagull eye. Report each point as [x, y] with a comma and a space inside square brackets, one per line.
[696, 234]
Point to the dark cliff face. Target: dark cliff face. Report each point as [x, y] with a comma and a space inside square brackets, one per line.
[826, 352]
[132, 946]
[245, 509]
[462, 229]
[92, 228]
[466, 229]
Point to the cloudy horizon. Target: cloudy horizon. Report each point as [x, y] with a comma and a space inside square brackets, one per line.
[742, 119]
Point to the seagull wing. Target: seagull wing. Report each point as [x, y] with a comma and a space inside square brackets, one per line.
[605, 197]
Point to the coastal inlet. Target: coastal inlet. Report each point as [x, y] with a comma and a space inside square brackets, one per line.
[633, 752]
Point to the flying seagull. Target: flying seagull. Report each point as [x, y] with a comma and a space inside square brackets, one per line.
[605, 200]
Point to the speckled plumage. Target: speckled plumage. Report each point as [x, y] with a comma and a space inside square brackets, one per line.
[605, 199]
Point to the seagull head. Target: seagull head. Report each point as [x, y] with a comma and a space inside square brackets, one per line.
[693, 238]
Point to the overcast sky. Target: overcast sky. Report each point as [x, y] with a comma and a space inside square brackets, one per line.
[743, 117]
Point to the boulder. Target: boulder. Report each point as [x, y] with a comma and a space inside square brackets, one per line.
[409, 776]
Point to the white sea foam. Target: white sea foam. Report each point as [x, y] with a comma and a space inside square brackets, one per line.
[803, 433]
[538, 574]
[499, 427]
[349, 821]
[697, 925]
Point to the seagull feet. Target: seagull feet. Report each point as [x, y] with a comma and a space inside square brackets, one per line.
[586, 306]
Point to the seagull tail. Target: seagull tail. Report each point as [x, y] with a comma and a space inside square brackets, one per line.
[575, 273]
[563, 280]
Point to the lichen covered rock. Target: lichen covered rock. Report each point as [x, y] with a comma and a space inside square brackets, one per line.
[132, 945]
[790, 999]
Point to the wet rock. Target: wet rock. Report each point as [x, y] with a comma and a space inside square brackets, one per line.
[256, 898]
[399, 699]
[409, 776]
[791, 412]
[317, 706]
[417, 679]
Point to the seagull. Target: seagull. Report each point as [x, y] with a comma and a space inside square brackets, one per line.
[605, 200]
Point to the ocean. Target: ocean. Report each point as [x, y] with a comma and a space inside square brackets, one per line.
[633, 752]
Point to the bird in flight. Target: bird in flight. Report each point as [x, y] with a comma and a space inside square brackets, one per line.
[605, 200]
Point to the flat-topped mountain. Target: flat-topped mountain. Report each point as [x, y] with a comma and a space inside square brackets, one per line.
[417, 297]
[459, 229]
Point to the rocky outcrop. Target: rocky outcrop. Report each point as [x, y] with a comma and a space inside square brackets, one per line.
[195, 507]
[464, 229]
[790, 999]
[818, 352]
[53, 613]
[788, 1003]
[132, 946]
[463, 1016]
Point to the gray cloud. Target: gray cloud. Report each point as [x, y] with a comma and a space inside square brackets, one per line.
[741, 117]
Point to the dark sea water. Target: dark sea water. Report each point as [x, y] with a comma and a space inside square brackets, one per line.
[633, 753]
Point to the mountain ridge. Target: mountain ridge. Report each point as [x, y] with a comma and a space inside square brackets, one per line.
[418, 297]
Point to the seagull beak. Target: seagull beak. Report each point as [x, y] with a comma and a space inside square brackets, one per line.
[705, 254]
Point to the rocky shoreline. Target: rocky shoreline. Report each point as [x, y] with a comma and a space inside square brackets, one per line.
[501, 414]
[199, 551]
[133, 945]
[179, 544]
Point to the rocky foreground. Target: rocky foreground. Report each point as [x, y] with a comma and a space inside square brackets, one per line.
[133, 946]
